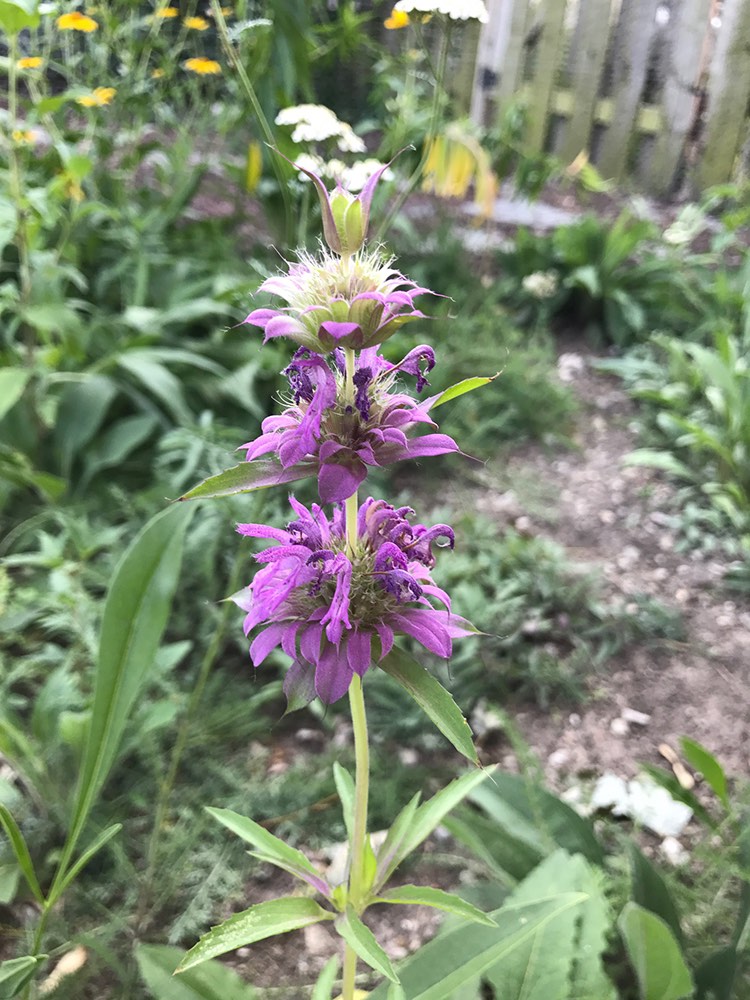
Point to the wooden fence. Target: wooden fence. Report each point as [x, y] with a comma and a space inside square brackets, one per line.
[657, 90]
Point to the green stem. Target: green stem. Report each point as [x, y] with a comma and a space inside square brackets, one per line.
[165, 792]
[431, 133]
[17, 196]
[236, 64]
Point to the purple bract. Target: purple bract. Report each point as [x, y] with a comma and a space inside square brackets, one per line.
[347, 438]
[332, 608]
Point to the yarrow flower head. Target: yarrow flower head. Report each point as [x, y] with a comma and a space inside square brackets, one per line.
[354, 302]
[456, 10]
[334, 608]
[317, 123]
[343, 439]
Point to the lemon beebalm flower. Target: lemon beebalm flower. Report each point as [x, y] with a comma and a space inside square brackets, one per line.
[157, 74]
[203, 67]
[166, 12]
[76, 21]
[456, 10]
[196, 23]
[398, 19]
[30, 62]
[98, 98]
[24, 137]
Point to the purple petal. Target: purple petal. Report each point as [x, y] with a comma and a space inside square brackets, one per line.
[261, 317]
[340, 473]
[427, 627]
[359, 651]
[266, 641]
[263, 531]
[333, 675]
[299, 686]
[386, 639]
[347, 334]
[430, 444]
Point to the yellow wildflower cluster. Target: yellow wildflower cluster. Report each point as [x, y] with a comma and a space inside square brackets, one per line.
[30, 62]
[196, 23]
[98, 98]
[397, 19]
[204, 67]
[76, 21]
[166, 12]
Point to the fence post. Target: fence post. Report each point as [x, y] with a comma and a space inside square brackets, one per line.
[630, 66]
[590, 40]
[679, 97]
[511, 70]
[491, 52]
[728, 91]
[547, 44]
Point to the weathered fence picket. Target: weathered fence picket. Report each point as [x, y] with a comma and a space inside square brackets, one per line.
[643, 86]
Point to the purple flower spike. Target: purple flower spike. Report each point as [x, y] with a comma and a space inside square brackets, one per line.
[330, 608]
[376, 428]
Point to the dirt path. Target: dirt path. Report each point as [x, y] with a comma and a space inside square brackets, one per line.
[615, 518]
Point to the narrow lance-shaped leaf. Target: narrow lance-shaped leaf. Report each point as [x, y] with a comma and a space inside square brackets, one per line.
[345, 789]
[650, 891]
[655, 955]
[12, 383]
[249, 476]
[271, 848]
[104, 837]
[705, 762]
[277, 916]
[15, 973]
[432, 698]
[424, 895]
[21, 852]
[135, 615]
[361, 940]
[458, 389]
[323, 989]
[212, 981]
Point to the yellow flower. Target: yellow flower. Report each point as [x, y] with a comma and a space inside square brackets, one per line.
[204, 67]
[30, 62]
[157, 74]
[196, 23]
[167, 12]
[75, 21]
[398, 19]
[97, 99]
[23, 136]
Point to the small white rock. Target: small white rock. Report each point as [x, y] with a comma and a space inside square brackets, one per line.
[619, 727]
[559, 758]
[636, 717]
[674, 852]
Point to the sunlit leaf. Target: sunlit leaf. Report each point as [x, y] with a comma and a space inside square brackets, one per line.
[247, 477]
[655, 955]
[361, 940]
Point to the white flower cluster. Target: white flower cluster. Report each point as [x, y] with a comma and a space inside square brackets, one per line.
[316, 123]
[541, 284]
[457, 10]
[352, 178]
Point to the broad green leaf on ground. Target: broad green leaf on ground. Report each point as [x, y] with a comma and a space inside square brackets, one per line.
[655, 955]
[563, 961]
[21, 852]
[650, 891]
[277, 916]
[362, 941]
[455, 958]
[416, 823]
[212, 981]
[345, 789]
[663, 460]
[323, 989]
[432, 698]
[12, 383]
[272, 848]
[714, 977]
[509, 857]
[15, 15]
[135, 616]
[702, 760]
[424, 895]
[458, 389]
[249, 476]
[15, 973]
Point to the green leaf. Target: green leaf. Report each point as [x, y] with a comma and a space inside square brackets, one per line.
[112, 447]
[213, 981]
[135, 616]
[15, 973]
[324, 986]
[715, 976]
[454, 391]
[664, 460]
[456, 957]
[249, 476]
[655, 955]
[10, 876]
[277, 916]
[416, 823]
[12, 383]
[432, 698]
[361, 940]
[702, 760]
[345, 788]
[15, 15]
[650, 891]
[422, 895]
[83, 407]
[104, 837]
[271, 848]
[21, 852]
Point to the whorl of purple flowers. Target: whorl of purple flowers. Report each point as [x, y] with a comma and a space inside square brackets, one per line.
[332, 608]
[346, 438]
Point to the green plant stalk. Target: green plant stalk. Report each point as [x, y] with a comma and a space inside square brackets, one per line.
[231, 54]
[431, 133]
[16, 193]
[196, 696]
